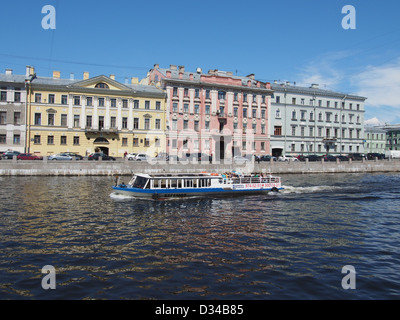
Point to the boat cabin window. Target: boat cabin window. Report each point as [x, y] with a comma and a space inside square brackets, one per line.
[140, 182]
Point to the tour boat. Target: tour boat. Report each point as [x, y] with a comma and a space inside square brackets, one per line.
[167, 186]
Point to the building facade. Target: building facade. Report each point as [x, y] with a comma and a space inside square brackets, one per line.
[392, 136]
[375, 139]
[310, 120]
[12, 111]
[214, 113]
[94, 114]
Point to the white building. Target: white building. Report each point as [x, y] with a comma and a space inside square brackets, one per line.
[12, 111]
[310, 120]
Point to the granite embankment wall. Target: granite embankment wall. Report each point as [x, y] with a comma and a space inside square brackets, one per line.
[121, 167]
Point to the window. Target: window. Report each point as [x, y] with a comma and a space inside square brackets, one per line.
[50, 139]
[262, 146]
[50, 119]
[294, 115]
[303, 115]
[51, 98]
[76, 120]
[207, 125]
[263, 129]
[196, 125]
[101, 122]
[293, 100]
[147, 105]
[196, 109]
[147, 142]
[174, 107]
[64, 99]
[185, 124]
[158, 124]
[136, 142]
[3, 94]
[17, 139]
[135, 123]
[113, 102]
[186, 92]
[207, 109]
[88, 121]
[175, 91]
[38, 97]
[63, 140]
[36, 139]
[113, 122]
[124, 122]
[76, 140]
[277, 113]
[278, 130]
[235, 111]
[278, 99]
[77, 100]
[102, 85]
[158, 105]
[3, 139]
[197, 93]
[89, 101]
[254, 112]
[17, 95]
[38, 119]
[311, 116]
[124, 141]
[135, 104]
[244, 112]
[207, 94]
[64, 118]
[174, 125]
[17, 118]
[293, 130]
[185, 107]
[146, 124]
[221, 95]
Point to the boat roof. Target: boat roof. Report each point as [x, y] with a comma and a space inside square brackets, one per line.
[177, 175]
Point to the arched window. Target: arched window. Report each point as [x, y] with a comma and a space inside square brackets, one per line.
[102, 85]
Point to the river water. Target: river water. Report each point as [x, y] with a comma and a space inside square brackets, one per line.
[291, 245]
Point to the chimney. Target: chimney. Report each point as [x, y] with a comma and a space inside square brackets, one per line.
[268, 85]
[172, 67]
[56, 75]
[191, 76]
[249, 83]
[181, 68]
[29, 71]
[251, 76]
[180, 75]
[85, 75]
[9, 72]
[168, 74]
[134, 80]
[112, 76]
[258, 84]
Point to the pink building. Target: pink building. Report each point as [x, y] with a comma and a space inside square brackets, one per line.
[216, 114]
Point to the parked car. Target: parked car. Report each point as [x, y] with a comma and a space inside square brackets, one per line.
[372, 156]
[287, 158]
[312, 158]
[131, 156]
[60, 156]
[357, 156]
[240, 160]
[10, 154]
[267, 158]
[329, 158]
[142, 157]
[199, 156]
[97, 155]
[343, 158]
[73, 154]
[29, 156]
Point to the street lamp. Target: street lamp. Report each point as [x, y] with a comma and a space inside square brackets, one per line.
[28, 87]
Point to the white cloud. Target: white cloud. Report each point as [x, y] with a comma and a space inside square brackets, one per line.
[380, 84]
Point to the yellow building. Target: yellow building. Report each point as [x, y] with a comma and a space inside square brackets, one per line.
[94, 114]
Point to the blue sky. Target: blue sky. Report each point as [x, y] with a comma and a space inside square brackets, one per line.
[299, 41]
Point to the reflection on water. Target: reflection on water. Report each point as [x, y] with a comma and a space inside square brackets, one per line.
[282, 246]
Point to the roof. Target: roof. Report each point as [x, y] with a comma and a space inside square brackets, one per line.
[283, 87]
